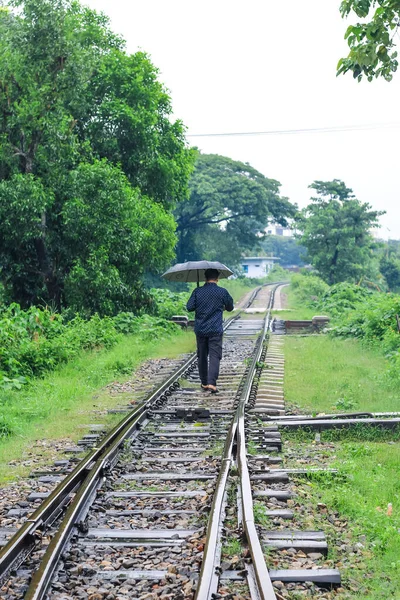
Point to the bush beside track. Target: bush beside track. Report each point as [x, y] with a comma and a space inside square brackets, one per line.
[356, 312]
[36, 340]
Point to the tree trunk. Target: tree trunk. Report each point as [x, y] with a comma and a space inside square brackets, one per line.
[45, 264]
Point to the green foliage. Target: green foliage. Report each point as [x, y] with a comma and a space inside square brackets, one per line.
[260, 514]
[230, 204]
[342, 297]
[326, 373]
[90, 161]
[361, 492]
[336, 232]
[7, 427]
[344, 404]
[390, 268]
[37, 340]
[287, 249]
[278, 273]
[167, 303]
[374, 321]
[371, 42]
[111, 241]
[308, 289]
[147, 326]
[233, 547]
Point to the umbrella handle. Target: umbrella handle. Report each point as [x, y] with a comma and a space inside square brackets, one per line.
[198, 283]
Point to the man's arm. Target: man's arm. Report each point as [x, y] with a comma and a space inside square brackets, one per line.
[191, 305]
[228, 300]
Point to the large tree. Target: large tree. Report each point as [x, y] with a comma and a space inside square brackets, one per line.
[372, 42]
[335, 230]
[90, 161]
[229, 207]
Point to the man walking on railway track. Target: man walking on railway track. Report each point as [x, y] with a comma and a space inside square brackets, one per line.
[209, 302]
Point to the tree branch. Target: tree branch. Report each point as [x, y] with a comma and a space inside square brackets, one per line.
[193, 215]
[212, 221]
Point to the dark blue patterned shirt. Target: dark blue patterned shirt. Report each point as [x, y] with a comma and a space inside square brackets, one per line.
[209, 301]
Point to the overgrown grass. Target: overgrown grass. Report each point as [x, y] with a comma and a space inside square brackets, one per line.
[366, 492]
[260, 514]
[55, 406]
[237, 287]
[327, 375]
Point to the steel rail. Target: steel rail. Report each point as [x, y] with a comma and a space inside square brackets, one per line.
[42, 577]
[265, 589]
[301, 417]
[53, 505]
[23, 542]
[49, 510]
[209, 577]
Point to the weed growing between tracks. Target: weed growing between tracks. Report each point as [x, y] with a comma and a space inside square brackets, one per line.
[260, 514]
[54, 407]
[366, 494]
[231, 548]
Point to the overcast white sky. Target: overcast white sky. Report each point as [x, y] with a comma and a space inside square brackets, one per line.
[266, 65]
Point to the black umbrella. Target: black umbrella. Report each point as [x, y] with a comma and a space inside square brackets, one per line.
[193, 271]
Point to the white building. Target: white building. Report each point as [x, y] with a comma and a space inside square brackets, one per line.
[258, 266]
[274, 229]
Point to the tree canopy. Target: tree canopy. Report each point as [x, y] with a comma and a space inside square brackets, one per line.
[229, 207]
[91, 162]
[335, 230]
[287, 249]
[389, 263]
[372, 42]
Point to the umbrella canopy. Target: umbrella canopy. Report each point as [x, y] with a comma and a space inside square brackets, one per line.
[193, 271]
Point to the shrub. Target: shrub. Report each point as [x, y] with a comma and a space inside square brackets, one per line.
[37, 340]
[166, 303]
[342, 297]
[149, 327]
[308, 289]
[374, 320]
[278, 273]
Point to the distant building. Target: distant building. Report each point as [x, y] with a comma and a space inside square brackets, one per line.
[258, 266]
[274, 229]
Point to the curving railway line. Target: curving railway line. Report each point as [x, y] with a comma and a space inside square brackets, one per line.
[158, 506]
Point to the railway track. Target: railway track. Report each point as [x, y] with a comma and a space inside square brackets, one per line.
[156, 506]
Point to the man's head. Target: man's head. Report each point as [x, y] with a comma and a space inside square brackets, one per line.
[211, 274]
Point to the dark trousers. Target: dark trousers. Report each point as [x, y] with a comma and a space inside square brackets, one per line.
[209, 354]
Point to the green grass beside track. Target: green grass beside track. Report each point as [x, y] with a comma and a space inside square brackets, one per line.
[366, 494]
[297, 311]
[54, 407]
[324, 374]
